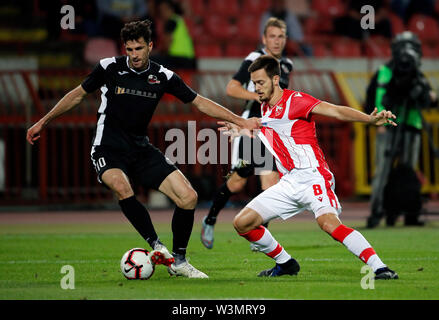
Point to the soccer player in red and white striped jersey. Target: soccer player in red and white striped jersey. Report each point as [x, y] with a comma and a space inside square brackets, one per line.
[307, 183]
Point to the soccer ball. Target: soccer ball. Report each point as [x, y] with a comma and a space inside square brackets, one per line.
[136, 264]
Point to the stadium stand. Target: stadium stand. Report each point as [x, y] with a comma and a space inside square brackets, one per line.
[346, 48]
[219, 21]
[425, 27]
[218, 31]
[328, 8]
[397, 23]
[377, 47]
[224, 8]
[197, 7]
[98, 48]
[208, 50]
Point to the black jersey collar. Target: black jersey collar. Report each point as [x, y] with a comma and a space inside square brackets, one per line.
[138, 72]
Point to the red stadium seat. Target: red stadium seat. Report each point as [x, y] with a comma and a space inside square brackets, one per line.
[333, 8]
[425, 27]
[235, 50]
[239, 49]
[397, 24]
[430, 51]
[313, 26]
[224, 8]
[220, 27]
[346, 48]
[197, 31]
[378, 47]
[320, 49]
[208, 50]
[248, 28]
[98, 48]
[254, 6]
[198, 7]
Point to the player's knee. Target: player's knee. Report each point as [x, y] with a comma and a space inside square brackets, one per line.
[328, 222]
[325, 226]
[122, 189]
[187, 199]
[239, 225]
[244, 222]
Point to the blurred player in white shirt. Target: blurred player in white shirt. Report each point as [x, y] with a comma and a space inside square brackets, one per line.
[307, 182]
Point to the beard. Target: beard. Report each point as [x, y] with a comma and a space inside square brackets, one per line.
[269, 94]
[143, 64]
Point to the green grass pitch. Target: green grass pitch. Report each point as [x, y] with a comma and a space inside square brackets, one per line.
[31, 258]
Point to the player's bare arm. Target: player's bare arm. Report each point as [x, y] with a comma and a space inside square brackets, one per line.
[236, 90]
[215, 110]
[68, 102]
[344, 113]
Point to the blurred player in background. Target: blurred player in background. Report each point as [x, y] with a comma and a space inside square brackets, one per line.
[289, 133]
[131, 87]
[244, 163]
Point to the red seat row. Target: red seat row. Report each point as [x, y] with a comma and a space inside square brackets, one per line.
[224, 8]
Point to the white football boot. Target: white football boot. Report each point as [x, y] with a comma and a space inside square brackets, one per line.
[185, 269]
[161, 255]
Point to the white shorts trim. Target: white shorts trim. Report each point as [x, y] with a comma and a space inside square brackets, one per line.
[299, 190]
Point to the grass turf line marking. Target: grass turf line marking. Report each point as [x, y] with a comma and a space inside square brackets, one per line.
[56, 261]
[114, 261]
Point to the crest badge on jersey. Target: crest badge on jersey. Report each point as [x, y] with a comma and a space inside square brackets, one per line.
[278, 110]
[152, 79]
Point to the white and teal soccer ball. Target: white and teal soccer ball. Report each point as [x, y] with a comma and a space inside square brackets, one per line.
[136, 264]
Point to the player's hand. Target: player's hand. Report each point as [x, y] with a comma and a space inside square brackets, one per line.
[382, 117]
[232, 130]
[33, 133]
[252, 123]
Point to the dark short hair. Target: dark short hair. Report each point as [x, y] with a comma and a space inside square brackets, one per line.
[268, 63]
[135, 30]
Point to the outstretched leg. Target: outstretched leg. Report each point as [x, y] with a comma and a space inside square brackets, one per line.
[178, 188]
[355, 243]
[248, 224]
[134, 211]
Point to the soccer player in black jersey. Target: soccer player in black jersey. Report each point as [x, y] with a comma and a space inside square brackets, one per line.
[244, 165]
[131, 87]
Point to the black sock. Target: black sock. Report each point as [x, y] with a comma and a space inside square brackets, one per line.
[139, 217]
[219, 201]
[182, 224]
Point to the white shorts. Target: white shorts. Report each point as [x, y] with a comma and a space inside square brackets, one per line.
[309, 189]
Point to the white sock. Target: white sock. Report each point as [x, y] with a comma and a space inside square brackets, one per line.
[358, 245]
[267, 244]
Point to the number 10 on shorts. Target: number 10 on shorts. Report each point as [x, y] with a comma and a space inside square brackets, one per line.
[100, 163]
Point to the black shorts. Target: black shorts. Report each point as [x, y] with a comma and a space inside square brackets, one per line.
[146, 166]
[250, 156]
